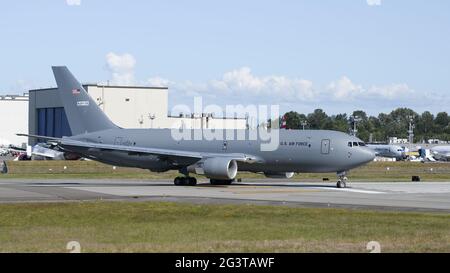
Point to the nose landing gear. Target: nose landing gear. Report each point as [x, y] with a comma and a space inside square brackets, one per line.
[342, 180]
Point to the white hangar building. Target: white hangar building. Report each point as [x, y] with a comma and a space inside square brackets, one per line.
[126, 106]
[13, 119]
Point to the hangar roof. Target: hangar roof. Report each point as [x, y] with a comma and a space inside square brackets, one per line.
[104, 86]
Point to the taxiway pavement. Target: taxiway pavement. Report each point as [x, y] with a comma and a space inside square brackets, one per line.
[409, 196]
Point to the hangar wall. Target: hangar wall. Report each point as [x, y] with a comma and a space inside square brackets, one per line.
[13, 119]
[132, 107]
[126, 106]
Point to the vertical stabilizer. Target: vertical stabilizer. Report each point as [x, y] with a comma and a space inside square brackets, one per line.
[82, 112]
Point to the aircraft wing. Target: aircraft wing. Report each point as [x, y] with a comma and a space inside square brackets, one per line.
[162, 153]
[174, 155]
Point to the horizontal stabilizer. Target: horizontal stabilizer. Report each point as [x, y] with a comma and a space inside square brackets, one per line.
[41, 137]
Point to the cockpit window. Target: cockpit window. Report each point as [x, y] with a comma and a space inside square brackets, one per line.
[355, 144]
[350, 144]
[362, 144]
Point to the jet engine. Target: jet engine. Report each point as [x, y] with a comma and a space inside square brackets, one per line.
[216, 168]
[279, 175]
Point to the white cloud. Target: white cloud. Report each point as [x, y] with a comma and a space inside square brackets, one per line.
[374, 2]
[392, 91]
[242, 83]
[121, 67]
[242, 80]
[241, 86]
[73, 2]
[158, 82]
[344, 89]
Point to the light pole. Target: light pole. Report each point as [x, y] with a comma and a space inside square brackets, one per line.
[411, 132]
[304, 123]
[151, 117]
[353, 123]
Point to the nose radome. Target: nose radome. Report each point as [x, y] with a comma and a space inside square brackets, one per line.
[368, 155]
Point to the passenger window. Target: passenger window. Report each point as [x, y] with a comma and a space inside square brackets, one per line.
[362, 144]
[350, 144]
[355, 144]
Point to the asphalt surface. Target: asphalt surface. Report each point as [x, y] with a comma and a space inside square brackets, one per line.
[410, 196]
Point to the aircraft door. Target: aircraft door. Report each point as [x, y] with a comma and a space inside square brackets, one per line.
[325, 147]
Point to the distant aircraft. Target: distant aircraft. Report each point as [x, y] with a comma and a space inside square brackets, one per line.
[3, 151]
[388, 150]
[41, 151]
[12, 150]
[441, 153]
[424, 155]
[96, 137]
[8, 149]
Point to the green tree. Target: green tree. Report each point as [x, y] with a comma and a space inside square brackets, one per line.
[378, 132]
[425, 126]
[380, 128]
[363, 125]
[340, 122]
[294, 120]
[398, 124]
[441, 122]
[360, 114]
[317, 119]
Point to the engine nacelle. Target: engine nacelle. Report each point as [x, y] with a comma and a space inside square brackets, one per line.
[216, 168]
[279, 175]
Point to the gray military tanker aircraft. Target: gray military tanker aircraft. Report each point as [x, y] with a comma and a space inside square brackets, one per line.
[96, 137]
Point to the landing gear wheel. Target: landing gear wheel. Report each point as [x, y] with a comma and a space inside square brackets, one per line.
[177, 181]
[342, 180]
[185, 181]
[221, 182]
[341, 184]
[192, 181]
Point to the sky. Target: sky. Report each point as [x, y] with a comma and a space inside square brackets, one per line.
[373, 55]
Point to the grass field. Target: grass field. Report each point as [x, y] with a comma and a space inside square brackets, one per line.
[375, 171]
[174, 227]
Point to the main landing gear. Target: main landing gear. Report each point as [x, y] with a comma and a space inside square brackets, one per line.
[342, 180]
[185, 181]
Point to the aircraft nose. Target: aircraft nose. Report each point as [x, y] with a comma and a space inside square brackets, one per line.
[367, 155]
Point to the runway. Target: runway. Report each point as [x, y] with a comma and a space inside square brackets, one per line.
[420, 196]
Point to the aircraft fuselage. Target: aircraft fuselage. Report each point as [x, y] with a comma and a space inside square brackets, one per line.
[297, 151]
